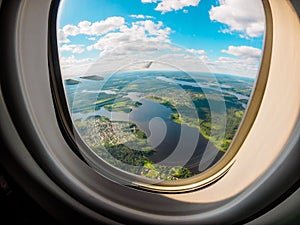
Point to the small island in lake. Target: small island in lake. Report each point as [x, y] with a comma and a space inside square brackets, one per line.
[71, 82]
[92, 77]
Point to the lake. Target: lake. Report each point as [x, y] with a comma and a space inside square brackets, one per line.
[175, 144]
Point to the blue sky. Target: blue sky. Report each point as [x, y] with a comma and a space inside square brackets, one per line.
[225, 35]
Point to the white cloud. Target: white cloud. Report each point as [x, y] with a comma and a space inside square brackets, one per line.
[172, 5]
[73, 67]
[240, 16]
[91, 39]
[72, 48]
[140, 16]
[92, 29]
[141, 36]
[234, 66]
[173, 58]
[137, 41]
[245, 63]
[70, 30]
[101, 27]
[246, 52]
[71, 60]
[184, 60]
[195, 51]
[61, 37]
[121, 44]
[163, 57]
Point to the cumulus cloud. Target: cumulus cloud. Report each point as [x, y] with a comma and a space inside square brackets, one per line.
[139, 40]
[61, 37]
[184, 60]
[163, 57]
[70, 30]
[246, 17]
[234, 66]
[141, 36]
[91, 39]
[245, 63]
[72, 60]
[92, 29]
[246, 52]
[101, 27]
[172, 5]
[73, 67]
[174, 58]
[120, 44]
[72, 48]
[195, 51]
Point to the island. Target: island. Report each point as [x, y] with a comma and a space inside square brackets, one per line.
[71, 82]
[92, 77]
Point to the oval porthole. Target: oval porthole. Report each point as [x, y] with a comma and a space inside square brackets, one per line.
[157, 92]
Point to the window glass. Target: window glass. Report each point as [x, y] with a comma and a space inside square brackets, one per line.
[158, 88]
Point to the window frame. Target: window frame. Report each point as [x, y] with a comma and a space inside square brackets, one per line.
[37, 152]
[213, 174]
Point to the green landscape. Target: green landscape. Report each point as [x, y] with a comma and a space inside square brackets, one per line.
[125, 144]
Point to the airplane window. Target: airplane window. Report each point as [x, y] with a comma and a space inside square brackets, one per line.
[158, 89]
[127, 84]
